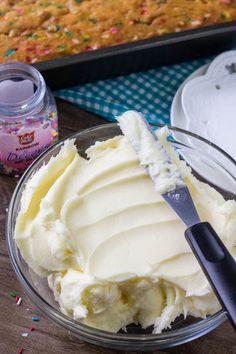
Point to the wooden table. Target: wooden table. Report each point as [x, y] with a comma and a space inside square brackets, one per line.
[47, 337]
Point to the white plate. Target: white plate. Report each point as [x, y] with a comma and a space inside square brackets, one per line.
[223, 64]
[178, 119]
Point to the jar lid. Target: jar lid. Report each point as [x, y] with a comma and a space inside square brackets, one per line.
[24, 89]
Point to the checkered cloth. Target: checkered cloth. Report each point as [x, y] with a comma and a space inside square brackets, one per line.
[150, 92]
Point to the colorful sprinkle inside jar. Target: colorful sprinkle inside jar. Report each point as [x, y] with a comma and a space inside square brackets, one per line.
[28, 117]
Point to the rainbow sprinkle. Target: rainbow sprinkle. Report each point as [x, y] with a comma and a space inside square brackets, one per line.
[60, 48]
[114, 29]
[9, 53]
[86, 38]
[35, 319]
[12, 294]
[19, 300]
[68, 33]
[24, 334]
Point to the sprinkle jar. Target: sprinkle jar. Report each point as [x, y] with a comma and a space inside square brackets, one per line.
[28, 117]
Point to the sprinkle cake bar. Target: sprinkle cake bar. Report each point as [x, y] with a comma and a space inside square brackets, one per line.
[38, 30]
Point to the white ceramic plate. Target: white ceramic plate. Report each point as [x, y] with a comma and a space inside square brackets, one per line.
[178, 119]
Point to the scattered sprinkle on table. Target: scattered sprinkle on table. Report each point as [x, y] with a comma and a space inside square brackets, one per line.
[35, 318]
[32, 329]
[18, 300]
[24, 334]
[12, 294]
[21, 350]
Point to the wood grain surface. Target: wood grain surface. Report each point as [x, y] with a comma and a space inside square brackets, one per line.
[47, 337]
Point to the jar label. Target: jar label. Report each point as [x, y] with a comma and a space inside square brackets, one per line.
[18, 149]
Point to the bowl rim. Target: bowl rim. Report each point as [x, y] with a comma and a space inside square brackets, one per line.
[204, 325]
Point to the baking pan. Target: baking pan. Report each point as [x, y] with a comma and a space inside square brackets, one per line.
[141, 55]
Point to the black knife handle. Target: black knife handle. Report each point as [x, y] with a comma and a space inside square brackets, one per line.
[217, 263]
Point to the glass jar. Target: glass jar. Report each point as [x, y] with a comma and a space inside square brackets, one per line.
[28, 117]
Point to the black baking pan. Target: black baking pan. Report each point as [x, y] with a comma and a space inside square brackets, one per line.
[141, 55]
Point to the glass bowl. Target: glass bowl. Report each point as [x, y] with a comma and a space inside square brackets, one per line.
[207, 161]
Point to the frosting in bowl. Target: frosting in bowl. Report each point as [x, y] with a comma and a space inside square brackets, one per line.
[113, 251]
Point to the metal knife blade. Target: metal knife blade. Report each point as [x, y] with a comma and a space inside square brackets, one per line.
[179, 199]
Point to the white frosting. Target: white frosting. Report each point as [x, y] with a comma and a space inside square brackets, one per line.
[113, 250]
[150, 151]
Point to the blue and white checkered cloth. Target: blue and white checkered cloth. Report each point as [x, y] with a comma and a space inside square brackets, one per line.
[150, 92]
